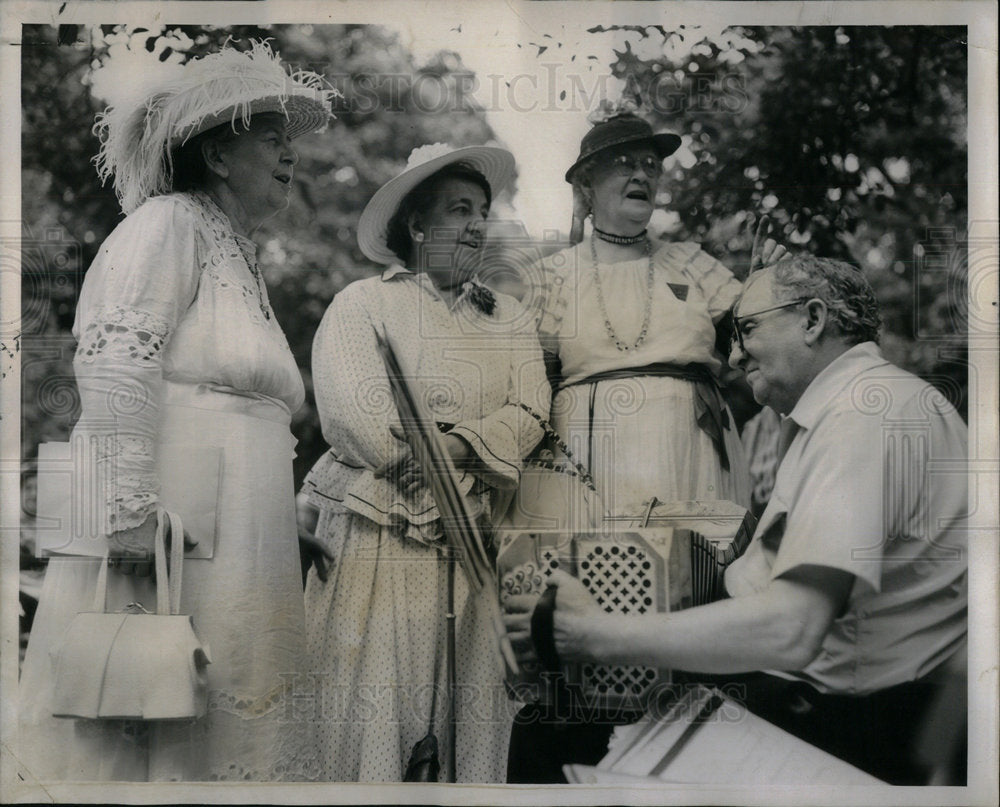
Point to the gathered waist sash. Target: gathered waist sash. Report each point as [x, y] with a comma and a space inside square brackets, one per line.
[709, 407]
[222, 398]
[689, 372]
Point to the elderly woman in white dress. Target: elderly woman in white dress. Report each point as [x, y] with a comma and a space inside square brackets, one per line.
[181, 355]
[629, 329]
[376, 624]
[630, 325]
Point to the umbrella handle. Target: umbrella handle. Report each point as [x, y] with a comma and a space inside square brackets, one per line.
[450, 617]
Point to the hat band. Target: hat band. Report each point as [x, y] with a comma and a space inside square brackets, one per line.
[628, 139]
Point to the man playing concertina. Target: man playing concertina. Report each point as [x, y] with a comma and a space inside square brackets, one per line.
[852, 595]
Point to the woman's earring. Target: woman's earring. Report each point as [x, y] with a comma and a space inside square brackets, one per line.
[418, 237]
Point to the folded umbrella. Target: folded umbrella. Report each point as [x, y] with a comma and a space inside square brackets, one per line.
[463, 538]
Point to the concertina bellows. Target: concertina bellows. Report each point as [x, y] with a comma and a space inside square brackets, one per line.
[663, 557]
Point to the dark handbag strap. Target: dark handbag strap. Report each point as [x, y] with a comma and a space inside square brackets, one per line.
[424, 764]
[543, 631]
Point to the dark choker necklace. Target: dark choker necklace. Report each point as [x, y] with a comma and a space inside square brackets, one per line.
[621, 240]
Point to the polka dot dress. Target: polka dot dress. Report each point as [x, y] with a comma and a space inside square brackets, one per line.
[376, 629]
[376, 635]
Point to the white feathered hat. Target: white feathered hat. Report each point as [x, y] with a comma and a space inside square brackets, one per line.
[137, 135]
[496, 164]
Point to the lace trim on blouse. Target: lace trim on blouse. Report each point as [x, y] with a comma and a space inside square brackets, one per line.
[115, 337]
[227, 245]
[123, 333]
[129, 497]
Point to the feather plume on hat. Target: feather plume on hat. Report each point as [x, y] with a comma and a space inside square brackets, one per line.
[138, 134]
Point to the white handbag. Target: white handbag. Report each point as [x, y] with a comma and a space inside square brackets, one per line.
[134, 664]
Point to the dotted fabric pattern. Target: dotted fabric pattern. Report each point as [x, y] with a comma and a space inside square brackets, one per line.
[376, 635]
[376, 630]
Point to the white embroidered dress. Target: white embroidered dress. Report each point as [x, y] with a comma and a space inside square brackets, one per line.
[376, 628]
[637, 433]
[178, 346]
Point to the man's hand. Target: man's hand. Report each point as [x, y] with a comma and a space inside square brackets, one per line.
[574, 619]
[517, 619]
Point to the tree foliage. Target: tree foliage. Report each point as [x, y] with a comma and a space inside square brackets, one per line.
[851, 139]
[308, 253]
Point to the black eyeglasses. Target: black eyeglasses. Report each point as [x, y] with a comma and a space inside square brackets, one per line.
[737, 336]
[625, 164]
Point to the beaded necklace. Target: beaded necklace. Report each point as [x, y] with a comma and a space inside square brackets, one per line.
[578, 470]
[604, 309]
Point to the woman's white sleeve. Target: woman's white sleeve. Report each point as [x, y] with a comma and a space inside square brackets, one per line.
[353, 396]
[503, 438]
[139, 286]
[718, 286]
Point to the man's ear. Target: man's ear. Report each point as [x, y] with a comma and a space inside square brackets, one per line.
[213, 154]
[817, 320]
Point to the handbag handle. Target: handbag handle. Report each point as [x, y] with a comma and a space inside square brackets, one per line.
[168, 597]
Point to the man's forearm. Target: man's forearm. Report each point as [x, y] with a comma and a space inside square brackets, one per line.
[781, 628]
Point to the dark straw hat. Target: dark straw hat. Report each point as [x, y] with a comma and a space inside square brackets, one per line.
[619, 130]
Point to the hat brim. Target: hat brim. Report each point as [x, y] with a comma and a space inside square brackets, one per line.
[496, 164]
[664, 144]
[305, 112]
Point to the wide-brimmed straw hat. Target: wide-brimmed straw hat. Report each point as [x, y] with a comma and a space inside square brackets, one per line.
[496, 164]
[619, 130]
[138, 134]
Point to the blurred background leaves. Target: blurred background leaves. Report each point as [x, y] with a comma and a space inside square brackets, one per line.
[851, 139]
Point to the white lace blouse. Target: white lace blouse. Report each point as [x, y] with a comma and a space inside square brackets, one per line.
[174, 294]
